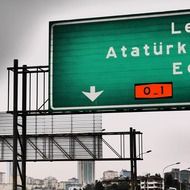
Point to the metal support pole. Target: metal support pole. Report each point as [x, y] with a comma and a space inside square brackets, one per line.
[135, 159]
[132, 158]
[24, 102]
[15, 120]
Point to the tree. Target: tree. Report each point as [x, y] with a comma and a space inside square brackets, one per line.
[98, 186]
[123, 185]
[89, 187]
[169, 181]
[113, 187]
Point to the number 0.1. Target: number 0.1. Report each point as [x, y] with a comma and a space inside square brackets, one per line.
[153, 90]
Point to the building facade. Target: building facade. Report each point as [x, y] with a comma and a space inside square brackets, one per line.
[109, 175]
[180, 177]
[185, 176]
[71, 184]
[86, 172]
[125, 174]
[151, 182]
[175, 174]
[2, 177]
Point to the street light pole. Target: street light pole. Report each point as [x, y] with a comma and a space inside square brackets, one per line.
[165, 169]
[138, 156]
[148, 151]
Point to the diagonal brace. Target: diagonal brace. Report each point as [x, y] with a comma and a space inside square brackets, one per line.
[111, 148]
[36, 148]
[61, 148]
[85, 147]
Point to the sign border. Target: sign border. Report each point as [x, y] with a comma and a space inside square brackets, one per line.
[103, 19]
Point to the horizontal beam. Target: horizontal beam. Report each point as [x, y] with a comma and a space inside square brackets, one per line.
[59, 160]
[74, 134]
[86, 146]
[48, 112]
[30, 68]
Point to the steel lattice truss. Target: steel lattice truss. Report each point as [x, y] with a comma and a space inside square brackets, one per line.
[47, 142]
[33, 132]
[49, 138]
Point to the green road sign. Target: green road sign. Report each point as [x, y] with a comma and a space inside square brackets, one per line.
[120, 63]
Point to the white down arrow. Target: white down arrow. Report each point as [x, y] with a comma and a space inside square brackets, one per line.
[92, 95]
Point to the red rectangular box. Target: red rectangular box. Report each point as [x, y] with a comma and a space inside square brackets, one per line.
[153, 90]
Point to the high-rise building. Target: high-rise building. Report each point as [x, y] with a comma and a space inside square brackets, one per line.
[86, 169]
[86, 172]
[9, 172]
[2, 177]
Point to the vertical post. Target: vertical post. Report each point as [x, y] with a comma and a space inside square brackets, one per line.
[135, 159]
[72, 141]
[8, 93]
[132, 158]
[94, 136]
[24, 125]
[15, 119]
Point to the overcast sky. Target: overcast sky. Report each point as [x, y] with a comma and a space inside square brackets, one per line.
[24, 35]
